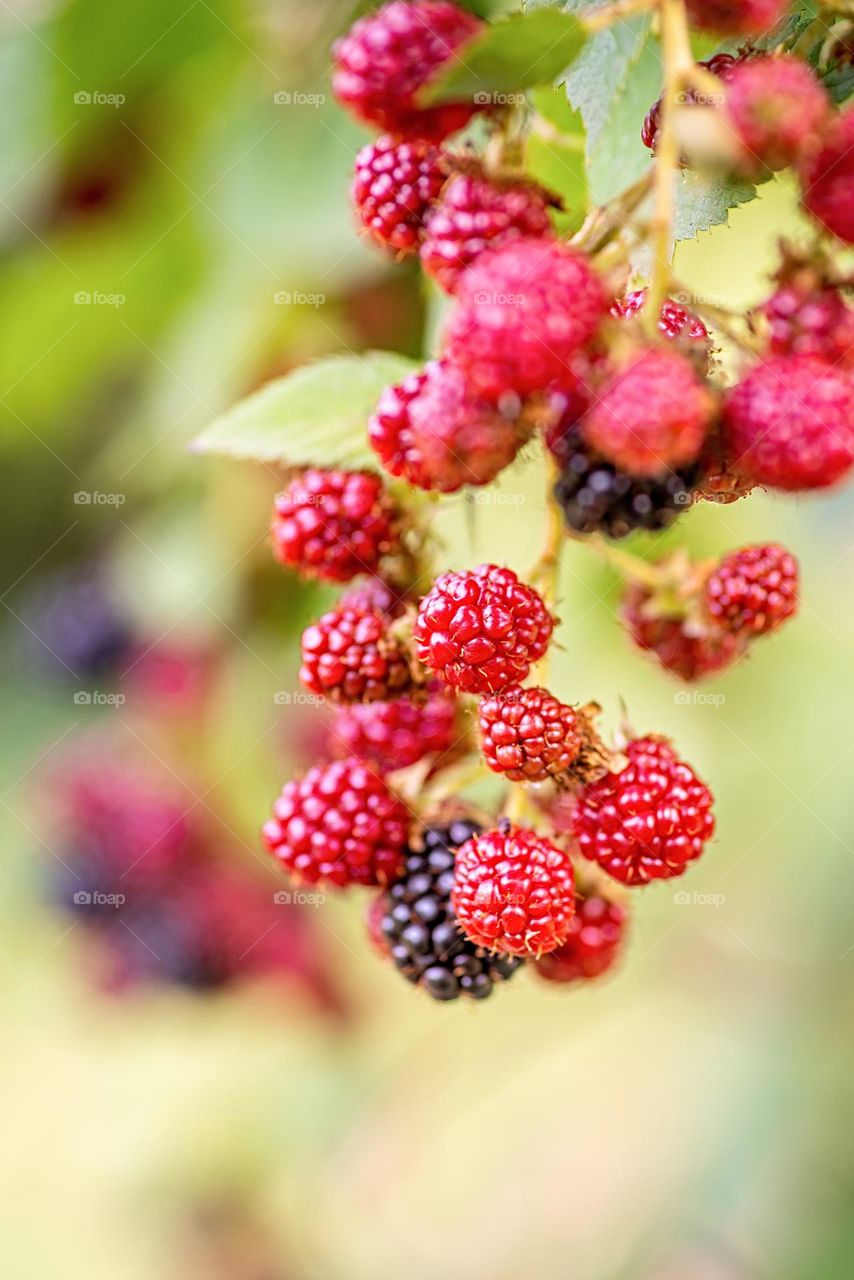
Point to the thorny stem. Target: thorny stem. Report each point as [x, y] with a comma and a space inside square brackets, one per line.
[678, 65]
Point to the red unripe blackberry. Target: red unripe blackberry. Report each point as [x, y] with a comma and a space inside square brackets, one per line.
[475, 214]
[420, 930]
[349, 655]
[386, 57]
[522, 313]
[339, 825]
[433, 432]
[674, 320]
[596, 937]
[790, 423]
[827, 179]
[777, 108]
[393, 187]
[374, 595]
[688, 656]
[395, 735]
[653, 416]
[334, 524]
[513, 891]
[482, 629]
[529, 735]
[735, 17]
[721, 65]
[811, 322]
[753, 589]
[648, 821]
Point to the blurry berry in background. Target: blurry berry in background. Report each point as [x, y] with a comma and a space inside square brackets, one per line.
[168, 677]
[73, 627]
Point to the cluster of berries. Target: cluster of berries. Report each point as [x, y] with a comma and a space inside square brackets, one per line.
[158, 906]
[539, 339]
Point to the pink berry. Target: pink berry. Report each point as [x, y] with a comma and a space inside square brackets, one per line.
[790, 423]
[777, 108]
[687, 654]
[387, 56]
[349, 655]
[393, 187]
[827, 179]
[513, 892]
[596, 938]
[653, 416]
[753, 590]
[395, 735]
[475, 214]
[735, 17]
[334, 524]
[432, 431]
[522, 313]
[529, 735]
[481, 630]
[811, 322]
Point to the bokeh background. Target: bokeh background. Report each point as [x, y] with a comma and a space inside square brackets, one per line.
[172, 237]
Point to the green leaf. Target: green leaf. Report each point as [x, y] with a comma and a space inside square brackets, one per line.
[597, 78]
[703, 202]
[554, 154]
[619, 157]
[319, 413]
[513, 54]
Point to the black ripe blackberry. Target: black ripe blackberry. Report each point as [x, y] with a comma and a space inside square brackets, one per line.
[418, 925]
[597, 497]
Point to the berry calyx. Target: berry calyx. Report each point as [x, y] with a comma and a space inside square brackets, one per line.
[827, 179]
[393, 187]
[513, 891]
[481, 630]
[339, 825]
[596, 938]
[753, 590]
[653, 416]
[777, 109]
[522, 313]
[386, 57]
[689, 651]
[334, 524]
[420, 931]
[529, 735]
[735, 17]
[476, 214]
[350, 655]
[432, 431]
[790, 423]
[649, 820]
[396, 735]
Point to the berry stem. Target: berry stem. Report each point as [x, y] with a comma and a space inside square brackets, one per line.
[544, 574]
[678, 63]
[624, 562]
[610, 14]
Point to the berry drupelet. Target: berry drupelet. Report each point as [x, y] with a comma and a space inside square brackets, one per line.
[474, 214]
[420, 931]
[753, 590]
[513, 891]
[339, 825]
[350, 655]
[393, 187]
[648, 821]
[595, 940]
[334, 524]
[482, 629]
[388, 55]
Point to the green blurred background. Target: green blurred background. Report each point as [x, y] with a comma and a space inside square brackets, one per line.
[690, 1118]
